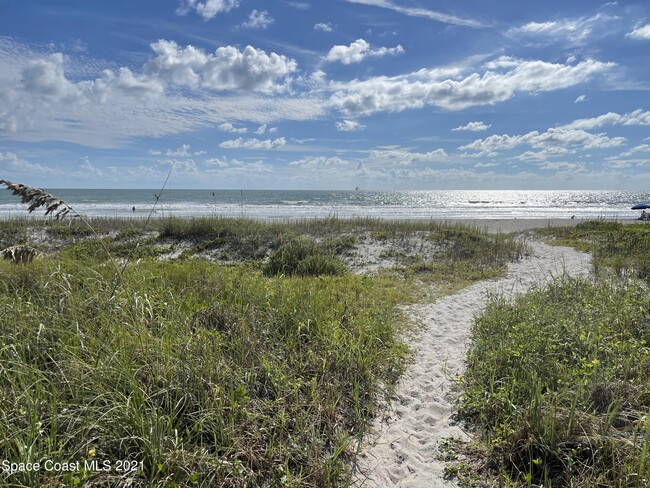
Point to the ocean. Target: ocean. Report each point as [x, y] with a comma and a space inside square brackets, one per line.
[297, 204]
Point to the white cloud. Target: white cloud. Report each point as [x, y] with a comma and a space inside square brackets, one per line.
[227, 69]
[580, 99]
[323, 27]
[207, 9]
[564, 166]
[88, 171]
[420, 12]
[546, 153]
[184, 150]
[184, 167]
[348, 126]
[254, 143]
[320, 162]
[635, 150]
[258, 20]
[264, 128]
[642, 33]
[45, 80]
[402, 156]
[575, 30]
[228, 127]
[428, 87]
[552, 138]
[40, 101]
[358, 51]
[11, 164]
[637, 117]
[234, 166]
[473, 127]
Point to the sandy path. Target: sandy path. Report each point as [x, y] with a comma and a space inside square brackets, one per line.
[405, 447]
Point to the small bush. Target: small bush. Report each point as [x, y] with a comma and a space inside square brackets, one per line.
[321, 264]
[303, 257]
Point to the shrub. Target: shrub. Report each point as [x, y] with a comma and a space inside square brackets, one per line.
[303, 257]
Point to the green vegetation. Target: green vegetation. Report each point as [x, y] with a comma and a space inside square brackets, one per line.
[304, 257]
[207, 374]
[260, 373]
[558, 380]
[619, 249]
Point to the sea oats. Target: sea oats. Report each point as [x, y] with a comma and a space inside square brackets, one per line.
[19, 254]
[37, 198]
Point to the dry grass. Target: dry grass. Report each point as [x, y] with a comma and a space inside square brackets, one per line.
[19, 254]
[39, 198]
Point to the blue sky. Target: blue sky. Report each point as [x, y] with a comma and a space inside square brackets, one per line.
[300, 94]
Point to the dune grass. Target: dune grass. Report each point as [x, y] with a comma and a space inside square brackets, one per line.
[208, 374]
[558, 380]
[261, 373]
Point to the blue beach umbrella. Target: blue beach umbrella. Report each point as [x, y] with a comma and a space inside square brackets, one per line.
[641, 206]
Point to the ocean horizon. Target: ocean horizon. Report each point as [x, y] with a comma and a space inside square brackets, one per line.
[301, 204]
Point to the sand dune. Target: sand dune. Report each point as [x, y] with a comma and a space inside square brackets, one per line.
[403, 450]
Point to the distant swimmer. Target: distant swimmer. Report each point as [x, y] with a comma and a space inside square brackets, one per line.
[133, 208]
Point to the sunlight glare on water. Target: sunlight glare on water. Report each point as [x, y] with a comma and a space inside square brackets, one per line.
[297, 204]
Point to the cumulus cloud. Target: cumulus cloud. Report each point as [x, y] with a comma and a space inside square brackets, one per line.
[45, 79]
[182, 151]
[580, 99]
[225, 166]
[420, 12]
[323, 27]
[265, 128]
[241, 143]
[555, 137]
[348, 126]
[403, 156]
[42, 99]
[228, 127]
[546, 153]
[473, 127]
[207, 9]
[358, 51]
[564, 166]
[641, 33]
[258, 20]
[637, 117]
[642, 148]
[226, 69]
[428, 87]
[320, 162]
[11, 163]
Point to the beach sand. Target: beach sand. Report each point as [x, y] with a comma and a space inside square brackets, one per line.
[404, 448]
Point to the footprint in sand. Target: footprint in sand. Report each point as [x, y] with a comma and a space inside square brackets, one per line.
[402, 452]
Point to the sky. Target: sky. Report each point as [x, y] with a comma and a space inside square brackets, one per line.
[330, 94]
